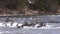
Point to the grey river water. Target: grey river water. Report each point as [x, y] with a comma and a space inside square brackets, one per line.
[52, 19]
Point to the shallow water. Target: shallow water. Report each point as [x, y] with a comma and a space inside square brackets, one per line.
[28, 31]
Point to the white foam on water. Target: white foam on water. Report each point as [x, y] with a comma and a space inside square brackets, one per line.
[36, 25]
[44, 27]
[4, 32]
[48, 26]
[19, 24]
[41, 28]
[1, 24]
[8, 24]
[14, 24]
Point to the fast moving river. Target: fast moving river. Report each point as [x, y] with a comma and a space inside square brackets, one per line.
[52, 20]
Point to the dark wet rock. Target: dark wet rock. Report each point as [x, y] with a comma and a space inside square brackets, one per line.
[18, 27]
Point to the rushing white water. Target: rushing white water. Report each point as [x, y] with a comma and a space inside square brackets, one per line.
[13, 25]
[48, 26]
[1, 24]
[43, 27]
[8, 24]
